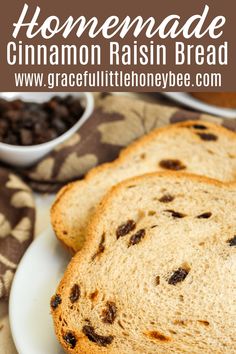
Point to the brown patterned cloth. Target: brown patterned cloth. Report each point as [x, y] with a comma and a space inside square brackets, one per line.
[115, 123]
[17, 219]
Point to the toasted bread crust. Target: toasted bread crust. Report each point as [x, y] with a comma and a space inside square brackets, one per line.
[83, 345]
[60, 225]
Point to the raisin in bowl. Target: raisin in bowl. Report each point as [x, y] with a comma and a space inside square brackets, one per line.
[32, 124]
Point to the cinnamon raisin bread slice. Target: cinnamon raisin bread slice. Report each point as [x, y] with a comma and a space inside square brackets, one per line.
[196, 147]
[157, 273]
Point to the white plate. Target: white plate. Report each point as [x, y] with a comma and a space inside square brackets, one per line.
[190, 101]
[34, 283]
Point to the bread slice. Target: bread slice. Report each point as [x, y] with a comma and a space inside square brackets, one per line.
[157, 273]
[195, 146]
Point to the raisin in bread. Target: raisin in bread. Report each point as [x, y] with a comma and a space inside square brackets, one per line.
[196, 147]
[157, 273]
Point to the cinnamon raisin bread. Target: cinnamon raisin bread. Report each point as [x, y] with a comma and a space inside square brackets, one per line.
[196, 147]
[157, 273]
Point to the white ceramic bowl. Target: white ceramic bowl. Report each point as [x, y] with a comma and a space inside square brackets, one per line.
[192, 102]
[23, 156]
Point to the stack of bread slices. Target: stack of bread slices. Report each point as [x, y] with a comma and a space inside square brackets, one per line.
[154, 237]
